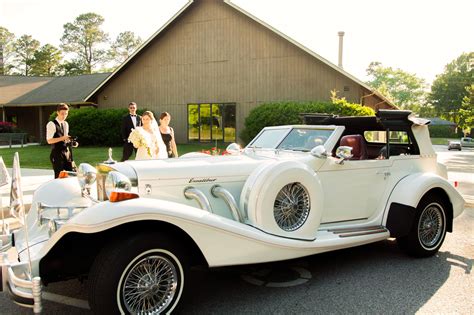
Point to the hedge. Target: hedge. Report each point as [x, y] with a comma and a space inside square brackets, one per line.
[288, 113]
[440, 131]
[96, 126]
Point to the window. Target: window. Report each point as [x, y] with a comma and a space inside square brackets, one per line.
[211, 122]
[400, 137]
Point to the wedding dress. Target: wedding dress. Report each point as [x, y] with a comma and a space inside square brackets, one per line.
[153, 141]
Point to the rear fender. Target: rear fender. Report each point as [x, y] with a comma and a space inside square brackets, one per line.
[408, 192]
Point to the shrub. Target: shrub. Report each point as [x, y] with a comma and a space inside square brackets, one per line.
[96, 126]
[288, 113]
[440, 131]
[6, 127]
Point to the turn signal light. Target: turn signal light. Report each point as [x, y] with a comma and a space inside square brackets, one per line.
[63, 174]
[116, 196]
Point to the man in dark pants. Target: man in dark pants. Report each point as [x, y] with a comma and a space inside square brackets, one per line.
[57, 134]
[129, 122]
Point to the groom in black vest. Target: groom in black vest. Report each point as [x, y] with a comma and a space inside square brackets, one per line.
[129, 122]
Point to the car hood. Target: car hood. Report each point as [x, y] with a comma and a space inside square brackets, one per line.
[197, 169]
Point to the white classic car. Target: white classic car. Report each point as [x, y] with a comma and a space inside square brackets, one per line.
[135, 228]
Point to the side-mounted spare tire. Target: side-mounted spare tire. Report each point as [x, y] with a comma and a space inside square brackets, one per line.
[284, 198]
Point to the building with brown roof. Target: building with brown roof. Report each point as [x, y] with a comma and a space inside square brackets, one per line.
[29, 101]
[208, 66]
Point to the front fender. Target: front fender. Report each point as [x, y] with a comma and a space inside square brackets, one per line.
[222, 241]
[412, 188]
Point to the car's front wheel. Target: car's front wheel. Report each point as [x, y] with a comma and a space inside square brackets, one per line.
[141, 275]
[428, 230]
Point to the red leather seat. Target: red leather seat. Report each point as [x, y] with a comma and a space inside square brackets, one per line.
[359, 147]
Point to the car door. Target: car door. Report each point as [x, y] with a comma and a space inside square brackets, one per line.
[353, 190]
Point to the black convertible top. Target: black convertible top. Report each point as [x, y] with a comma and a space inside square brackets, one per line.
[383, 119]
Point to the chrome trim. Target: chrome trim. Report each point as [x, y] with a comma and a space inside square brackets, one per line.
[355, 229]
[19, 280]
[220, 192]
[42, 208]
[5, 242]
[383, 230]
[116, 180]
[193, 193]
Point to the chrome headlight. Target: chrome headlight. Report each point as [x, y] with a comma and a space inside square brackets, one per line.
[117, 181]
[87, 174]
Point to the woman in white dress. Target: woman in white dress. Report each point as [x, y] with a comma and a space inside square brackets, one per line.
[151, 145]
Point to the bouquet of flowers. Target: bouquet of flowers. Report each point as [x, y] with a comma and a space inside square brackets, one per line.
[138, 140]
[215, 151]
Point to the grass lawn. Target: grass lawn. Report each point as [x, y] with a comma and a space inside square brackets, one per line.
[37, 156]
[441, 141]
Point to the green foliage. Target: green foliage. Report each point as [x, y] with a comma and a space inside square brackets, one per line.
[287, 113]
[46, 61]
[25, 48]
[406, 90]
[7, 127]
[96, 126]
[451, 88]
[123, 46]
[466, 113]
[6, 50]
[83, 37]
[437, 131]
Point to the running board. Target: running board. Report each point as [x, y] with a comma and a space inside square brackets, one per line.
[366, 230]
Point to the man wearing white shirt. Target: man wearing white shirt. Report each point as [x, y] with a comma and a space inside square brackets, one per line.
[57, 134]
[129, 122]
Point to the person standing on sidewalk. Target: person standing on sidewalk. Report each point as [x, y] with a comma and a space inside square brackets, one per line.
[57, 134]
[129, 122]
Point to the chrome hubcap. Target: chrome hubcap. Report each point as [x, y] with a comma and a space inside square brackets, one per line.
[291, 207]
[431, 225]
[150, 286]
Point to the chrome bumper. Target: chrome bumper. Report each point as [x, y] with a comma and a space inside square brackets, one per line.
[15, 277]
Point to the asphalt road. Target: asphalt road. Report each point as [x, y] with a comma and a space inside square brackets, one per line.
[371, 279]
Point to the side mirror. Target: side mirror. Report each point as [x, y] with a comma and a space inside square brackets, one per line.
[319, 152]
[234, 149]
[344, 153]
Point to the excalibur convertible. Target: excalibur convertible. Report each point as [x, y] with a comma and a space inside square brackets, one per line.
[134, 228]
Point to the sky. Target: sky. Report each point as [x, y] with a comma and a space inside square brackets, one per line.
[417, 36]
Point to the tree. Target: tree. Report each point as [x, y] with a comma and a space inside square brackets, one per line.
[406, 90]
[73, 67]
[84, 38]
[6, 50]
[46, 61]
[123, 46]
[25, 48]
[466, 112]
[452, 86]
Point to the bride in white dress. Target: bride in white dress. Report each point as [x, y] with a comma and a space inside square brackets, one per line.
[150, 144]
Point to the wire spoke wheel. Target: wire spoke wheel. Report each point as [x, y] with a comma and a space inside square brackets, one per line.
[150, 285]
[431, 225]
[291, 207]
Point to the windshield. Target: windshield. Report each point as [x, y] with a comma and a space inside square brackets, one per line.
[269, 138]
[298, 139]
[304, 139]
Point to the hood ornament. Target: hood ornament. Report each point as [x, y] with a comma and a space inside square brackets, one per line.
[110, 160]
